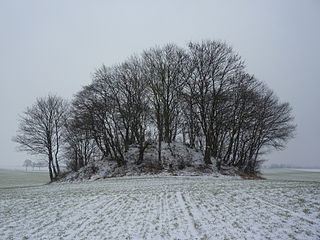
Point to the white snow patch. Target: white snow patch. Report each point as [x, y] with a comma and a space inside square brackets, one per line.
[163, 208]
[177, 159]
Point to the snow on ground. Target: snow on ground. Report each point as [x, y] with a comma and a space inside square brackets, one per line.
[163, 208]
[177, 159]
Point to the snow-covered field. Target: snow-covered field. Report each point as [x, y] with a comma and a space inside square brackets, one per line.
[165, 208]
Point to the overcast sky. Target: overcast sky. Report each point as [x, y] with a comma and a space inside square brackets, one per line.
[54, 46]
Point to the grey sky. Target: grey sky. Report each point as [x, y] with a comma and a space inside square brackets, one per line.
[53, 46]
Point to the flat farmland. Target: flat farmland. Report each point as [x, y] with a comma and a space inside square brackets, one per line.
[285, 206]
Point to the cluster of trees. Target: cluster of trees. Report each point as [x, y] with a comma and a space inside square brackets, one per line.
[201, 96]
[28, 163]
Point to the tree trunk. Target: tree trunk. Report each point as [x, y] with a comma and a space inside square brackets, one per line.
[207, 155]
[52, 164]
[159, 152]
[50, 171]
[57, 165]
[142, 148]
[208, 151]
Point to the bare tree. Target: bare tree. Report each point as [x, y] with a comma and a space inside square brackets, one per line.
[212, 66]
[164, 73]
[40, 130]
[133, 103]
[79, 145]
[108, 121]
[27, 163]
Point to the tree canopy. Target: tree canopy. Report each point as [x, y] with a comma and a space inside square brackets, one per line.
[200, 95]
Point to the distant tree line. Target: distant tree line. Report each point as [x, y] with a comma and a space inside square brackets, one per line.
[28, 163]
[200, 95]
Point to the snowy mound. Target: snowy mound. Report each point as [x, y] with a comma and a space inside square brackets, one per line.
[176, 159]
